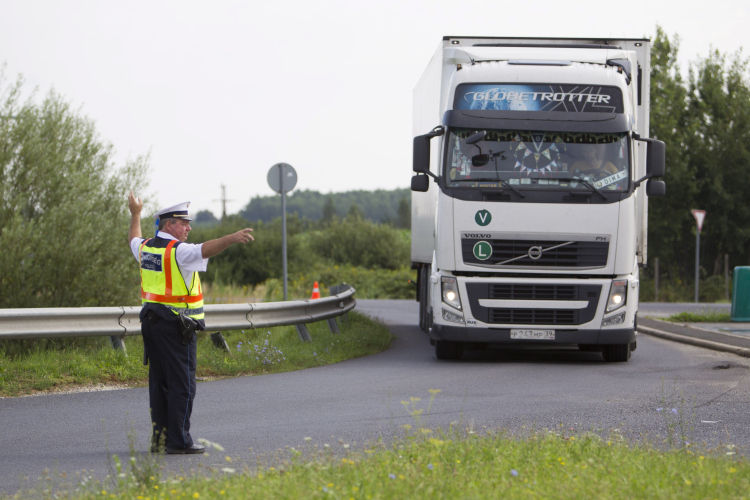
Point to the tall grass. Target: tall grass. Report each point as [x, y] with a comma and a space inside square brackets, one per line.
[251, 352]
[431, 464]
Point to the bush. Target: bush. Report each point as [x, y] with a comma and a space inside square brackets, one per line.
[60, 199]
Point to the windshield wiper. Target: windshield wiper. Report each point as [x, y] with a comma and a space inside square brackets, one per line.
[501, 181]
[505, 183]
[587, 184]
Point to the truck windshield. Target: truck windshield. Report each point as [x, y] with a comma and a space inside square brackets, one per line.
[537, 160]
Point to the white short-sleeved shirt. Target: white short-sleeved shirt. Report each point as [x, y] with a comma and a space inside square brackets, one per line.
[189, 255]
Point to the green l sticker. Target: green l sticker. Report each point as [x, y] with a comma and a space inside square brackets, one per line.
[483, 217]
[482, 250]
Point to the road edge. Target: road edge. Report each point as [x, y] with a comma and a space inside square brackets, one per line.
[708, 344]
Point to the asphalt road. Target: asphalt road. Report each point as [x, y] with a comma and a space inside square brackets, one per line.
[360, 399]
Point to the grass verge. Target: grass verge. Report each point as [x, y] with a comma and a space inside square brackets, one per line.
[708, 316]
[251, 352]
[432, 464]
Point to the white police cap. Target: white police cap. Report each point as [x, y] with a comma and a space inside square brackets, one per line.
[179, 211]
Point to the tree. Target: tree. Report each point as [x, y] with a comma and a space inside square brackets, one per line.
[354, 212]
[705, 123]
[329, 209]
[669, 218]
[63, 212]
[404, 214]
[719, 145]
[205, 217]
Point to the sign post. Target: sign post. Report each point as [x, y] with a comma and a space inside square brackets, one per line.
[282, 178]
[699, 215]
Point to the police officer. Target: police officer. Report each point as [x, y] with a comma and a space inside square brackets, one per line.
[172, 309]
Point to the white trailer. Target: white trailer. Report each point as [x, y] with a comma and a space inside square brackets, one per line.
[534, 228]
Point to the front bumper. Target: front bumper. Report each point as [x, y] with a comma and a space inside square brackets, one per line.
[502, 336]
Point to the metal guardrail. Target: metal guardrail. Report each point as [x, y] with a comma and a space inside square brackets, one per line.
[123, 321]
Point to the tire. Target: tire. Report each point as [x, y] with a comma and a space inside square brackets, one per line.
[422, 303]
[616, 353]
[445, 349]
[424, 299]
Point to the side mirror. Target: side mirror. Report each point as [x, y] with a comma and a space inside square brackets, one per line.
[655, 158]
[480, 160]
[421, 154]
[655, 188]
[420, 183]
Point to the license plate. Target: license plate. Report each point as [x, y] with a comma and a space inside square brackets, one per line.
[533, 334]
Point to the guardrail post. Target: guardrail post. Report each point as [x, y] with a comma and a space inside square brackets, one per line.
[304, 335]
[335, 290]
[219, 341]
[118, 344]
[332, 325]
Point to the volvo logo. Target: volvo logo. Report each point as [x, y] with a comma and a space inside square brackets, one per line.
[535, 253]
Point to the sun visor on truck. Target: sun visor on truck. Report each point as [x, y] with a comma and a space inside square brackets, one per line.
[551, 121]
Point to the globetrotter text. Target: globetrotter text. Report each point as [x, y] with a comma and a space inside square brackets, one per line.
[491, 95]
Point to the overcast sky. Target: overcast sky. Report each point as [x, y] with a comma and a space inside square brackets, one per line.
[217, 92]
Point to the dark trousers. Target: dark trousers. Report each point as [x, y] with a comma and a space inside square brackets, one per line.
[171, 380]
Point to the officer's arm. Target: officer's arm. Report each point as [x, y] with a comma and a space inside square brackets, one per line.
[135, 205]
[215, 247]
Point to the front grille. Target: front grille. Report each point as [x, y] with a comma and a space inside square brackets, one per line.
[533, 292]
[589, 254]
[534, 316]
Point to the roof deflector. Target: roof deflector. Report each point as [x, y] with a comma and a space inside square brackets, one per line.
[624, 65]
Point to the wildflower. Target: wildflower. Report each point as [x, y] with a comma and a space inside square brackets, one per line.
[346, 446]
[196, 495]
[674, 410]
[513, 472]
[228, 470]
[392, 476]
[308, 439]
[325, 489]
[659, 409]
[429, 466]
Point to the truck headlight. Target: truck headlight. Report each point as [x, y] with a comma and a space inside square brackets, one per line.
[618, 295]
[450, 292]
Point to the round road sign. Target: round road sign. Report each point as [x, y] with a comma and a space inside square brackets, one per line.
[282, 172]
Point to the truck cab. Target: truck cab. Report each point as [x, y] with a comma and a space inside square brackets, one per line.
[530, 200]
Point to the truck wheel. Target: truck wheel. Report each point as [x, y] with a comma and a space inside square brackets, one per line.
[616, 353]
[445, 349]
[424, 301]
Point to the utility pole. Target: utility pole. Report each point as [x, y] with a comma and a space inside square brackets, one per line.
[223, 201]
[699, 215]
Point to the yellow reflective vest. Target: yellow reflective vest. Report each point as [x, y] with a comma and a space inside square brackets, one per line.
[163, 283]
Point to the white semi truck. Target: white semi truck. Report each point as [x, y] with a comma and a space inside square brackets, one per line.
[530, 200]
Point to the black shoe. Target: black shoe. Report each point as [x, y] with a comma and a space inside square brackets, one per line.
[193, 450]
